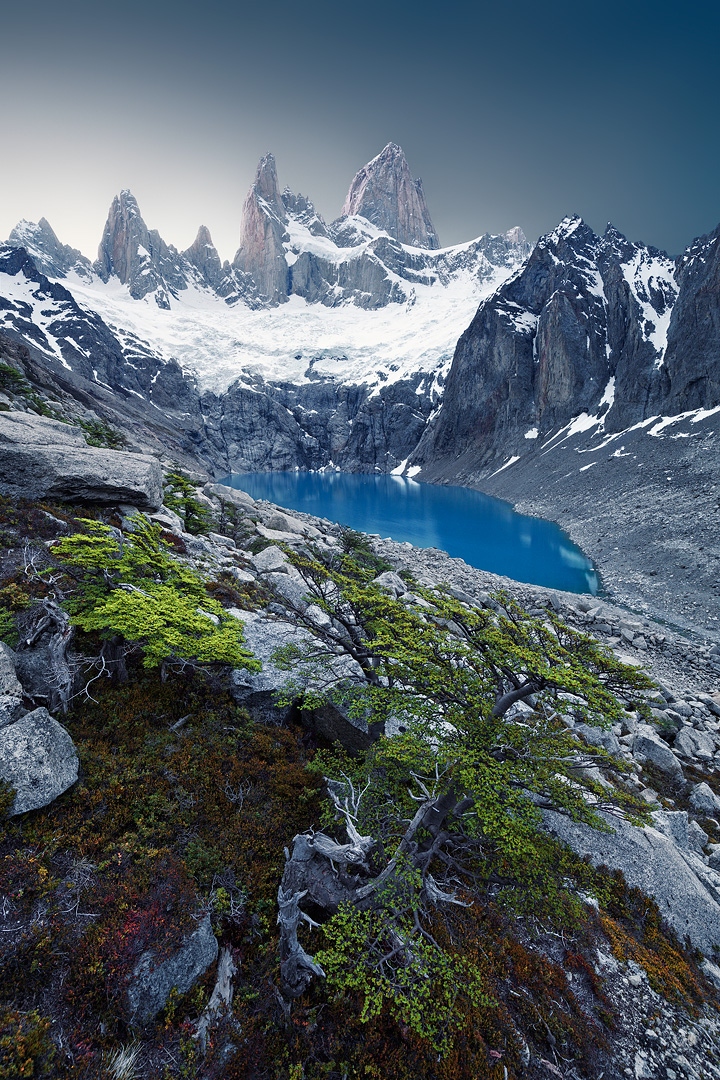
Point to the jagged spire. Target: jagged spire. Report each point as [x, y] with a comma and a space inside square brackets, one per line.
[262, 232]
[384, 192]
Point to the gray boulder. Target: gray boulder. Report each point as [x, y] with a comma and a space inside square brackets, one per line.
[238, 498]
[288, 524]
[11, 692]
[257, 691]
[291, 586]
[38, 759]
[391, 582]
[43, 458]
[647, 746]
[33, 667]
[153, 978]
[691, 743]
[270, 560]
[656, 862]
[597, 736]
[703, 800]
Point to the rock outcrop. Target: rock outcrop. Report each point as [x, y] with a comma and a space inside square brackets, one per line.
[50, 255]
[661, 862]
[11, 690]
[43, 458]
[155, 976]
[692, 357]
[384, 193]
[38, 759]
[581, 329]
[202, 255]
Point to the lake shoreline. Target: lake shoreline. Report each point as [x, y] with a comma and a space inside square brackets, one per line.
[482, 530]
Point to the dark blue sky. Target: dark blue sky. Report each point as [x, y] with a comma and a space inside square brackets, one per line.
[512, 113]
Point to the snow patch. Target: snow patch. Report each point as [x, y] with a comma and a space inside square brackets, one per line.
[507, 464]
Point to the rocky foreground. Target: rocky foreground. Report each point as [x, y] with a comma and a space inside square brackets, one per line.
[672, 762]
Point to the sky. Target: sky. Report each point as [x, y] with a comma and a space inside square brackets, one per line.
[513, 113]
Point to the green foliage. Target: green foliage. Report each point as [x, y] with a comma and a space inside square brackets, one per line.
[358, 545]
[444, 672]
[133, 587]
[99, 433]
[453, 677]
[181, 496]
[13, 380]
[26, 1049]
[421, 984]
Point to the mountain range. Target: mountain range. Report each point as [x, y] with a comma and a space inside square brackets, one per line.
[535, 372]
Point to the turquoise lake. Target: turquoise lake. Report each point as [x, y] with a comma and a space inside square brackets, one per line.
[485, 532]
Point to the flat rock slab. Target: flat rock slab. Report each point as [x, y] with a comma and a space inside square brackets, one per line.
[153, 978]
[657, 865]
[43, 458]
[38, 758]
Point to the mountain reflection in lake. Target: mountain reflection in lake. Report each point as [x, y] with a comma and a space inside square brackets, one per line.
[485, 532]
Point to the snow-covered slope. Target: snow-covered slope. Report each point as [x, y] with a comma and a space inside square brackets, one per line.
[302, 300]
[299, 341]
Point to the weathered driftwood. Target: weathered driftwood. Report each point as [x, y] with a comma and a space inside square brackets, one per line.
[296, 966]
[220, 999]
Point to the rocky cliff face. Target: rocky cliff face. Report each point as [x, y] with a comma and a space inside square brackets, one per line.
[50, 256]
[203, 257]
[369, 257]
[137, 256]
[582, 329]
[692, 357]
[384, 193]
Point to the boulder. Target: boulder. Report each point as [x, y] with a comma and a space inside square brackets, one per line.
[691, 743]
[154, 977]
[597, 736]
[168, 520]
[241, 576]
[660, 863]
[33, 667]
[44, 458]
[647, 746]
[277, 537]
[391, 582]
[284, 523]
[11, 692]
[257, 691]
[38, 759]
[238, 498]
[270, 560]
[291, 586]
[703, 800]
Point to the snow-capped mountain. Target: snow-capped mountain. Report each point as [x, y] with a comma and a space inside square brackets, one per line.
[358, 305]
[581, 331]
[334, 344]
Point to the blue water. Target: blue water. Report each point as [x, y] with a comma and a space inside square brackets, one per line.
[483, 531]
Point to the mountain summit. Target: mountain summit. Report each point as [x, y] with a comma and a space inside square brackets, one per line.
[384, 192]
[261, 253]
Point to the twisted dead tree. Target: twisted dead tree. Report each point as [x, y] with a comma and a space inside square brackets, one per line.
[48, 622]
[325, 873]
